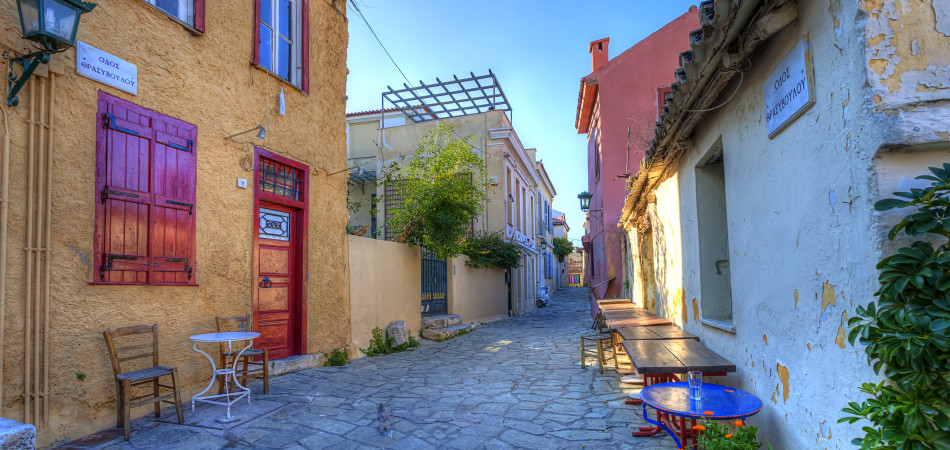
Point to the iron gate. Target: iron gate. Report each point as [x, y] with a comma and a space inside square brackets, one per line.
[434, 301]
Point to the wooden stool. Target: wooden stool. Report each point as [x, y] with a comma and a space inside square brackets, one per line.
[601, 356]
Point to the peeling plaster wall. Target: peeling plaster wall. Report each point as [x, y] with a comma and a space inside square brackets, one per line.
[207, 81]
[803, 235]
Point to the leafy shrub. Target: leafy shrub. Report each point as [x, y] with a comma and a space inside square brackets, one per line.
[381, 345]
[337, 357]
[718, 436]
[562, 248]
[907, 332]
[443, 187]
[490, 250]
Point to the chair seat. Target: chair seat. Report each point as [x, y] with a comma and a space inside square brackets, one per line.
[144, 374]
[248, 352]
[601, 336]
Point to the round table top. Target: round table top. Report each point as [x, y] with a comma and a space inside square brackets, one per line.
[227, 336]
[718, 402]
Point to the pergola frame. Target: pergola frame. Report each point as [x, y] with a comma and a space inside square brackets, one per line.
[444, 99]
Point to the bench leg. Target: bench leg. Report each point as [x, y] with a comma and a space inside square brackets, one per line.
[583, 354]
[600, 355]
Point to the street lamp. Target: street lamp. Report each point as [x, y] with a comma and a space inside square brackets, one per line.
[50, 23]
[585, 197]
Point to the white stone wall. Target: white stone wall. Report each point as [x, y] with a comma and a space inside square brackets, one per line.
[803, 236]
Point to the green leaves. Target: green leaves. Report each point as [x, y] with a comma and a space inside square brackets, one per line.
[562, 248]
[443, 188]
[907, 332]
[490, 250]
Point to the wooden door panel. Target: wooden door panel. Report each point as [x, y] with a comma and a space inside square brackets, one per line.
[276, 300]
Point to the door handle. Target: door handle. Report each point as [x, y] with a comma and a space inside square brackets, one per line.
[265, 283]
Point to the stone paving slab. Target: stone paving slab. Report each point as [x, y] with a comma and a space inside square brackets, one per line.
[515, 383]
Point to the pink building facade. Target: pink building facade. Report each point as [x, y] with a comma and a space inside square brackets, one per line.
[617, 108]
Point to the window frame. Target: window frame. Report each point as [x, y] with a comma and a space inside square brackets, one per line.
[197, 14]
[300, 53]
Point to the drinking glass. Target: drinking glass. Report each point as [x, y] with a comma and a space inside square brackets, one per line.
[695, 384]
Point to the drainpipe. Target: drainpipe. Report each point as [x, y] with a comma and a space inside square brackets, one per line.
[4, 205]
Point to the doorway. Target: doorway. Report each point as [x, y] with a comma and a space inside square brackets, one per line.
[280, 255]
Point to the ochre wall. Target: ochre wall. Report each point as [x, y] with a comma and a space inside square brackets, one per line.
[207, 81]
[477, 295]
[386, 283]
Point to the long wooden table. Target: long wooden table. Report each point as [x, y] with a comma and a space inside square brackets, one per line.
[616, 318]
[654, 333]
[674, 356]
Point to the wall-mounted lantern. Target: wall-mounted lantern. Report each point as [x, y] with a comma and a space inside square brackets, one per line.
[585, 197]
[50, 23]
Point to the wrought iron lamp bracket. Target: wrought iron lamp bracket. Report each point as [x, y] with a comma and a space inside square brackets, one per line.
[15, 82]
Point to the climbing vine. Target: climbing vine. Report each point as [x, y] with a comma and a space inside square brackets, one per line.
[443, 188]
[907, 332]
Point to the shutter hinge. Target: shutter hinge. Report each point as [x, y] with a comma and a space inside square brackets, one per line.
[107, 192]
[184, 260]
[187, 205]
[108, 121]
[186, 148]
[108, 264]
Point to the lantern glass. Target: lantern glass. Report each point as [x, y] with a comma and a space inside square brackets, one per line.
[29, 17]
[584, 198]
[61, 21]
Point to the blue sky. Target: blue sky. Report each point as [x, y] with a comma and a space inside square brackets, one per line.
[537, 49]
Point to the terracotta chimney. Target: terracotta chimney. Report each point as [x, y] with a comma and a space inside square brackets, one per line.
[598, 53]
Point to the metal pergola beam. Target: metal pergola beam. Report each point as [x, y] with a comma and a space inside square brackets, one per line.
[426, 101]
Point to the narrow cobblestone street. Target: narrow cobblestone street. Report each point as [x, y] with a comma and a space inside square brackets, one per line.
[511, 384]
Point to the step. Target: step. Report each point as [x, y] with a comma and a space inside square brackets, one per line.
[443, 321]
[441, 334]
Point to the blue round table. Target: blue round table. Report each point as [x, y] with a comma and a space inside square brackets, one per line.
[671, 400]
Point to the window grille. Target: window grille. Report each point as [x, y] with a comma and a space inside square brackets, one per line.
[281, 179]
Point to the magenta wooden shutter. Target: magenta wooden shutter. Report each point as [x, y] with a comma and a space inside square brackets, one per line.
[122, 195]
[256, 41]
[305, 45]
[172, 228]
[145, 192]
[200, 15]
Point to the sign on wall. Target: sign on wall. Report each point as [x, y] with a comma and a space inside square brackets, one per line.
[106, 69]
[789, 90]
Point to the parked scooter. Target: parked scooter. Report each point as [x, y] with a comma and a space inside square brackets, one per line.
[542, 296]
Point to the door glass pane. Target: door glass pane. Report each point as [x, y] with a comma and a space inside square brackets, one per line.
[274, 225]
[266, 13]
[284, 60]
[284, 15]
[266, 52]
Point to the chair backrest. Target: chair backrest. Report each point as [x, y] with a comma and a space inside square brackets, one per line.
[139, 348]
[236, 323]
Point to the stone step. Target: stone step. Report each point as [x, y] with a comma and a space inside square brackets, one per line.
[441, 334]
[443, 321]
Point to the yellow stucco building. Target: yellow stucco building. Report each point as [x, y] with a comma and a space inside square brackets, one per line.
[126, 202]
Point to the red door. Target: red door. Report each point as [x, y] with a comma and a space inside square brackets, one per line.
[276, 307]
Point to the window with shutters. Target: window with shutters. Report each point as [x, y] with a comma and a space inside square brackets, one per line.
[145, 196]
[282, 38]
[188, 12]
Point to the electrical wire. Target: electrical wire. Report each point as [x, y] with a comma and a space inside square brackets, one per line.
[360, 13]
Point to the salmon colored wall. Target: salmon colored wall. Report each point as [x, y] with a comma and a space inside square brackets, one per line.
[205, 80]
[627, 97]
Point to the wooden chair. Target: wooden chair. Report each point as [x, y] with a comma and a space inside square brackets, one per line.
[603, 341]
[124, 381]
[250, 367]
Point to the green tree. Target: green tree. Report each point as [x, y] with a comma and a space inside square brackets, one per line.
[443, 187]
[490, 250]
[907, 332]
[562, 248]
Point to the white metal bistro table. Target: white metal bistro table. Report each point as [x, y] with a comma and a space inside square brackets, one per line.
[229, 398]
